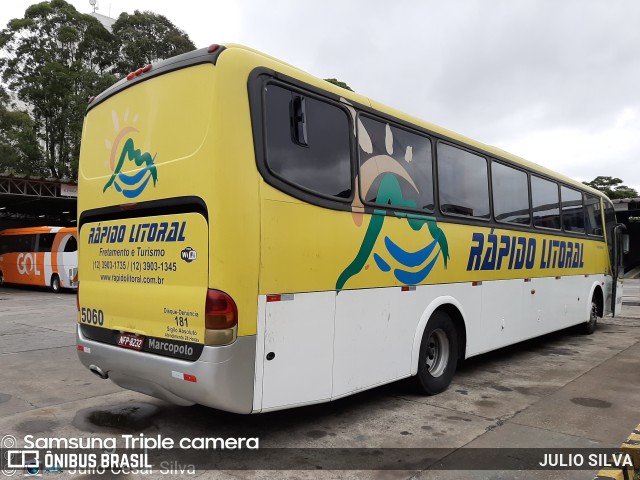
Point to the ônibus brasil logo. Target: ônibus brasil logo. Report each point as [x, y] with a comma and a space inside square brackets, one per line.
[132, 183]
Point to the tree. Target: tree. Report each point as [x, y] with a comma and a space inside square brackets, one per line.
[337, 82]
[146, 37]
[612, 187]
[20, 151]
[55, 59]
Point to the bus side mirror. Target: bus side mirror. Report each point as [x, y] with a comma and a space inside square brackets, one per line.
[625, 243]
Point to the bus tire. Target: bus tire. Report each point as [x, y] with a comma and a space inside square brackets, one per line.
[438, 357]
[590, 325]
[55, 283]
[1, 279]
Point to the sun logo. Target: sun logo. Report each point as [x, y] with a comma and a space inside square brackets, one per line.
[132, 182]
[414, 266]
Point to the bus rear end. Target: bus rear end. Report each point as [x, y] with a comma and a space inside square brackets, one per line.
[155, 314]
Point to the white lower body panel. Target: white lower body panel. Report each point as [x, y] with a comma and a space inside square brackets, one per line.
[316, 347]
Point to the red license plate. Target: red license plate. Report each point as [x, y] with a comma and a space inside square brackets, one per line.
[131, 340]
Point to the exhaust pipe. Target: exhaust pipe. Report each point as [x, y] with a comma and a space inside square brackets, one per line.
[98, 371]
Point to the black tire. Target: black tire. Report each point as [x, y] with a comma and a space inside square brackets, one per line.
[590, 325]
[438, 356]
[1, 279]
[55, 283]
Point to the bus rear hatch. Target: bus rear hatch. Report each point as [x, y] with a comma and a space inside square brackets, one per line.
[143, 256]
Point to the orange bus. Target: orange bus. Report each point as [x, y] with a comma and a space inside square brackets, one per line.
[41, 256]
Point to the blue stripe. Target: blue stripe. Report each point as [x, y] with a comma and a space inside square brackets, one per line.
[410, 259]
[414, 278]
[382, 265]
[133, 179]
[137, 191]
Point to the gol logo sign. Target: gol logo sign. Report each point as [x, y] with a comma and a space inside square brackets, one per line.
[27, 264]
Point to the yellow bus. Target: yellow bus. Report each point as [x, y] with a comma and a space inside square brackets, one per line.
[39, 256]
[253, 238]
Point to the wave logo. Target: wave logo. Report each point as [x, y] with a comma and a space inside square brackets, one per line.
[123, 152]
[413, 266]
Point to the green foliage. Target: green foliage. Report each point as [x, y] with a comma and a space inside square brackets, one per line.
[19, 148]
[146, 37]
[54, 59]
[337, 82]
[612, 187]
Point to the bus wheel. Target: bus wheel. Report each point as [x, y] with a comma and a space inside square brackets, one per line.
[589, 327]
[438, 355]
[55, 283]
[1, 280]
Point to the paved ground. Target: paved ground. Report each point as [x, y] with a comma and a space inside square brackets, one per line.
[562, 390]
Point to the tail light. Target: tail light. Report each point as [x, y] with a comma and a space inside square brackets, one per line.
[220, 311]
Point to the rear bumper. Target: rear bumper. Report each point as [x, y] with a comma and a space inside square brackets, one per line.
[224, 375]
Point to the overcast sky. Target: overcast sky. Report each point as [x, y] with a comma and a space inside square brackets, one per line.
[554, 81]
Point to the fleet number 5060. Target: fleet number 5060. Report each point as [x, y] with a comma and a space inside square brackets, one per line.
[92, 316]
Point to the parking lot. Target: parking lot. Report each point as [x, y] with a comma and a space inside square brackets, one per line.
[562, 390]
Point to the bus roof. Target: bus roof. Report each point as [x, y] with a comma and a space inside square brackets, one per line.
[356, 97]
[211, 55]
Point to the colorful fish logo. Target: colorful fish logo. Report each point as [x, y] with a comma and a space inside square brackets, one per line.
[133, 183]
[417, 264]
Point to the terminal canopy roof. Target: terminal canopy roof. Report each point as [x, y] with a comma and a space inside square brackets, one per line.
[29, 202]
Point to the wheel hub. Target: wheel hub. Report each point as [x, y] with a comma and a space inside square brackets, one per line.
[437, 355]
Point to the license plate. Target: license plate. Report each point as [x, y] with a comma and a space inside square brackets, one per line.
[131, 340]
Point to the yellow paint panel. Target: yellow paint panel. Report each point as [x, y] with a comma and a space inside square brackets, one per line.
[154, 125]
[146, 275]
[307, 248]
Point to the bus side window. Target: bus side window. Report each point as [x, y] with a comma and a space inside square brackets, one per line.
[463, 180]
[308, 142]
[9, 244]
[593, 217]
[23, 243]
[410, 163]
[546, 203]
[572, 211]
[510, 194]
[71, 246]
[45, 242]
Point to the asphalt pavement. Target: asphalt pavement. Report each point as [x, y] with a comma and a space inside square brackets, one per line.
[563, 390]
